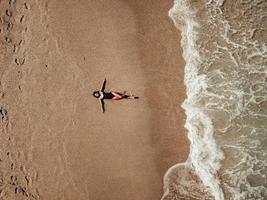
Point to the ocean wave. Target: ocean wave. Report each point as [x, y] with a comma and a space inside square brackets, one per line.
[205, 156]
[224, 46]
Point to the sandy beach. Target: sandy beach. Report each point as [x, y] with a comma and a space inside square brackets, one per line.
[56, 142]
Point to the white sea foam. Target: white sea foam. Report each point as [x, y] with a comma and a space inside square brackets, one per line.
[204, 155]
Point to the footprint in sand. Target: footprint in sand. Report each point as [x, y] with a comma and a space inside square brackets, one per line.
[1, 180]
[15, 48]
[8, 40]
[11, 2]
[26, 6]
[19, 61]
[20, 42]
[21, 19]
[12, 166]
[21, 190]
[9, 26]
[27, 180]
[13, 180]
[8, 13]
[3, 113]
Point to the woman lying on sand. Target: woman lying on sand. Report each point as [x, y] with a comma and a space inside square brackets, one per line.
[102, 95]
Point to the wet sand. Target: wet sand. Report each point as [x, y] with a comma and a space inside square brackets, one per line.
[61, 144]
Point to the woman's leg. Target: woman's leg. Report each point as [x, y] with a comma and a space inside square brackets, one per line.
[119, 96]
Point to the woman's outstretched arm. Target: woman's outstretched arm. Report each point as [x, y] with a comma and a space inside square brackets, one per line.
[103, 85]
[102, 105]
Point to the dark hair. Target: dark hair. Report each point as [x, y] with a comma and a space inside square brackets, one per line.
[96, 94]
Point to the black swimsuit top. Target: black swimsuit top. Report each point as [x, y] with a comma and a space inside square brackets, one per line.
[107, 95]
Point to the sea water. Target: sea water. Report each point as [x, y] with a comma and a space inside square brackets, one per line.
[224, 46]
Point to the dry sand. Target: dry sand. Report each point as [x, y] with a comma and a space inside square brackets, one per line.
[55, 142]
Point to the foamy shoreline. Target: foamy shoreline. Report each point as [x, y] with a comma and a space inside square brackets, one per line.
[204, 158]
[225, 74]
